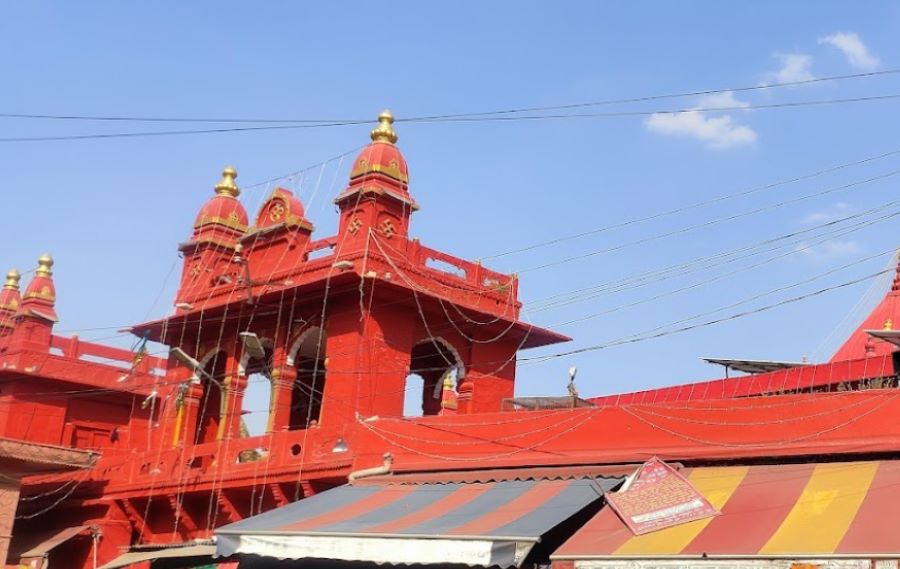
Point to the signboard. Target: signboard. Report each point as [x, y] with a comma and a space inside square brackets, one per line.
[658, 497]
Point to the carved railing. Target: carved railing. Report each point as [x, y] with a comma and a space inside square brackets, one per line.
[234, 458]
[77, 349]
[473, 274]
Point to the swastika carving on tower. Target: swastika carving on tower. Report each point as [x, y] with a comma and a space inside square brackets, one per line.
[387, 227]
[355, 225]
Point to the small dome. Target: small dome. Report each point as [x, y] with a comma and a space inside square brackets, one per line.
[381, 156]
[224, 208]
[282, 207]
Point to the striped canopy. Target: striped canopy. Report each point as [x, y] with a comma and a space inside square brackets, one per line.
[492, 523]
[773, 511]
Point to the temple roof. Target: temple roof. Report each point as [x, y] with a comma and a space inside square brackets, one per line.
[860, 344]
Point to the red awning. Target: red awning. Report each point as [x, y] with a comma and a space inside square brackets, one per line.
[772, 511]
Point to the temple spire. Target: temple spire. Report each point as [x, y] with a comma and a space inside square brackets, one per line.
[227, 186]
[384, 132]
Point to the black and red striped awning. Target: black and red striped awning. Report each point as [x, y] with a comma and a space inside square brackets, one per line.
[479, 523]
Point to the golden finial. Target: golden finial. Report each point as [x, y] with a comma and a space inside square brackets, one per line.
[12, 279]
[45, 265]
[888, 324]
[226, 186]
[384, 132]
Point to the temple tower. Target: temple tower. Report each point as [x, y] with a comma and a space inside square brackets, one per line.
[335, 328]
[37, 310]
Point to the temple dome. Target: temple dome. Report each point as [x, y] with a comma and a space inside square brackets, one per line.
[382, 156]
[224, 208]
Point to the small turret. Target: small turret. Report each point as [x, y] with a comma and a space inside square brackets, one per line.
[37, 310]
[10, 298]
[39, 300]
[376, 202]
[218, 229]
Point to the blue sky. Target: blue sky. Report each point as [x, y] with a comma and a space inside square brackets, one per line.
[112, 211]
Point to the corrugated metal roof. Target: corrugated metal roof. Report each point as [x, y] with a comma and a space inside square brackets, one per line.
[477, 523]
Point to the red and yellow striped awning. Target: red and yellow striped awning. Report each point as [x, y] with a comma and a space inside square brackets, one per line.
[771, 511]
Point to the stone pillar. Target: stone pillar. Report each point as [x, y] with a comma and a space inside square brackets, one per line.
[464, 400]
[490, 378]
[185, 419]
[283, 379]
[381, 345]
[232, 401]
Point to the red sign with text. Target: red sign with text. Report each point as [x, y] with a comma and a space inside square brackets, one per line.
[659, 497]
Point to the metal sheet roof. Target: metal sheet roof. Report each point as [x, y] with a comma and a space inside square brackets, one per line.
[45, 543]
[483, 523]
[132, 557]
[753, 366]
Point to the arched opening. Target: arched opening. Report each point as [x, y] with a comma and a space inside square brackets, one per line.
[210, 408]
[308, 355]
[432, 360]
[412, 396]
[256, 404]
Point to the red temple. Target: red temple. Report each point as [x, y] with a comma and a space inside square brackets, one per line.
[335, 326]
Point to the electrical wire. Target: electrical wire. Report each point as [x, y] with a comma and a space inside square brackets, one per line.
[710, 223]
[639, 99]
[474, 119]
[795, 242]
[643, 338]
[695, 205]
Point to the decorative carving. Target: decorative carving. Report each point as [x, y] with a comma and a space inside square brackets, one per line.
[276, 212]
[354, 226]
[231, 222]
[387, 228]
[392, 170]
[43, 294]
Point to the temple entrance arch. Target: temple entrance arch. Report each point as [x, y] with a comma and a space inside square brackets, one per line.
[307, 354]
